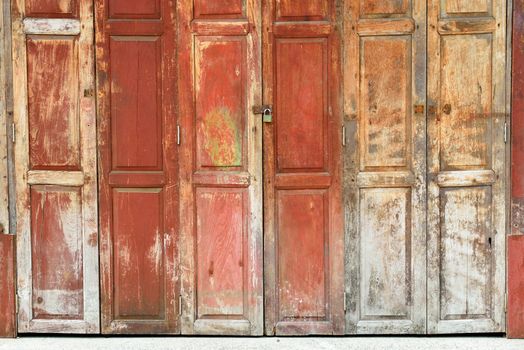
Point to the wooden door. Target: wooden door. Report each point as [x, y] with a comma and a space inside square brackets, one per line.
[304, 270]
[466, 195]
[55, 156]
[385, 166]
[138, 165]
[221, 173]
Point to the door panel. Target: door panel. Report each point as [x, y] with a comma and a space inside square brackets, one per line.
[385, 165]
[138, 169]
[55, 157]
[466, 205]
[303, 231]
[221, 173]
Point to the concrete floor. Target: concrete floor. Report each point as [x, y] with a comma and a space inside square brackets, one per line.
[316, 343]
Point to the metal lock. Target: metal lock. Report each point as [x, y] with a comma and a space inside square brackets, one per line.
[267, 115]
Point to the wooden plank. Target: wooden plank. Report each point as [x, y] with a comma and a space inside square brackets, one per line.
[467, 186]
[302, 213]
[515, 287]
[517, 121]
[221, 167]
[5, 116]
[385, 167]
[54, 115]
[7, 286]
[138, 166]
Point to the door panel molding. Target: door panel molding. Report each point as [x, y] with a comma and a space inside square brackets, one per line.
[57, 243]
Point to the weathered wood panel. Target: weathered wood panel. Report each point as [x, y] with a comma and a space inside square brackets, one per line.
[5, 115]
[303, 230]
[385, 167]
[466, 208]
[515, 287]
[138, 168]
[7, 286]
[221, 174]
[57, 235]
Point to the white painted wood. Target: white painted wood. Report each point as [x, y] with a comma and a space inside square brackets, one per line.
[51, 26]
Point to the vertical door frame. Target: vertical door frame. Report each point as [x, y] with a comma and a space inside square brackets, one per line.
[81, 26]
[498, 28]
[331, 29]
[188, 29]
[110, 179]
[356, 178]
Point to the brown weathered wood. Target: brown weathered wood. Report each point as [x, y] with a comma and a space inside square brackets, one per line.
[302, 170]
[57, 227]
[384, 170]
[221, 167]
[7, 286]
[466, 150]
[138, 175]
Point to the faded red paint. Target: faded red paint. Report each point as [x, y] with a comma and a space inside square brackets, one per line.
[517, 122]
[138, 171]
[7, 286]
[51, 8]
[515, 328]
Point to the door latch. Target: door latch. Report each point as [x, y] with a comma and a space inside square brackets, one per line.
[266, 111]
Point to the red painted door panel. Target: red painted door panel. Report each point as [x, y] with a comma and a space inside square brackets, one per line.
[221, 167]
[303, 234]
[138, 175]
[55, 158]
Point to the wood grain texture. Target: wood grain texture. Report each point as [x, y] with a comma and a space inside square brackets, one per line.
[221, 167]
[138, 173]
[385, 167]
[7, 286]
[50, 301]
[302, 173]
[5, 116]
[466, 208]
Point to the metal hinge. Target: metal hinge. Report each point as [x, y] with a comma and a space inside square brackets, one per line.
[13, 133]
[344, 136]
[179, 305]
[506, 132]
[505, 302]
[345, 302]
[178, 135]
[17, 303]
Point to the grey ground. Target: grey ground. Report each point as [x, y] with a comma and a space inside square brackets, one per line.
[316, 343]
